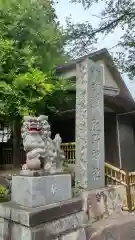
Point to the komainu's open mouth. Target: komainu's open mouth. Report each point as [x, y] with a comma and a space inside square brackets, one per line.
[34, 129]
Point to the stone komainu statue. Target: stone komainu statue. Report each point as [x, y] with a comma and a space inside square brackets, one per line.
[41, 151]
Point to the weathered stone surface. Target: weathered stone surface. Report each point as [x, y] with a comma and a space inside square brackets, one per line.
[76, 235]
[31, 173]
[40, 191]
[35, 216]
[81, 234]
[19, 232]
[59, 227]
[116, 198]
[114, 228]
[70, 236]
[101, 203]
[72, 228]
[50, 230]
[89, 125]
[4, 226]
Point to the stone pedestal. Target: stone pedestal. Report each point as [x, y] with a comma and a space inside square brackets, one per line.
[41, 190]
[42, 208]
[48, 222]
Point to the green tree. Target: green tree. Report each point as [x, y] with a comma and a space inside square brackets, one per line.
[31, 45]
[78, 40]
[116, 13]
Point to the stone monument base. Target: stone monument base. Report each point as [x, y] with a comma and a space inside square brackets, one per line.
[41, 190]
[54, 221]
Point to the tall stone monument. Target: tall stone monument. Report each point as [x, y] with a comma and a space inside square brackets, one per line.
[89, 125]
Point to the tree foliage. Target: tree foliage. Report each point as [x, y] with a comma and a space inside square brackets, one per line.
[31, 93]
[78, 42]
[31, 45]
[117, 13]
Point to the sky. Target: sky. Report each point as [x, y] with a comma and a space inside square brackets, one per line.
[66, 9]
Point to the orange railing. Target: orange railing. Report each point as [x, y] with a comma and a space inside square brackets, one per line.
[69, 150]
